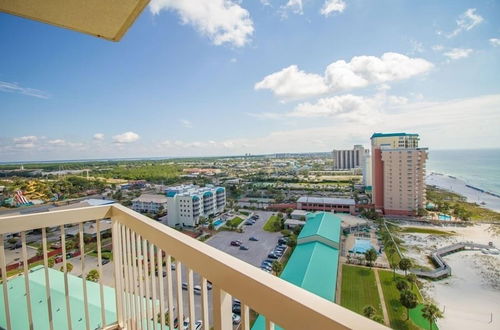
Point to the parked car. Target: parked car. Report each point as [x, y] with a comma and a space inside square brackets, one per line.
[253, 238]
[236, 301]
[172, 266]
[209, 285]
[283, 240]
[248, 223]
[164, 273]
[243, 247]
[105, 261]
[236, 318]
[266, 267]
[197, 290]
[272, 256]
[235, 243]
[267, 262]
[198, 324]
[237, 309]
[184, 286]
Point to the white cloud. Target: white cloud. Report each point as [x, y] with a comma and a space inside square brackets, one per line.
[223, 21]
[438, 48]
[127, 137]
[495, 42]
[366, 70]
[331, 6]
[361, 71]
[292, 83]
[233, 60]
[25, 142]
[98, 136]
[57, 142]
[348, 106]
[465, 22]
[295, 6]
[186, 123]
[458, 53]
[416, 47]
[15, 88]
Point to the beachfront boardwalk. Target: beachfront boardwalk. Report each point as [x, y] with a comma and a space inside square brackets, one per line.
[443, 269]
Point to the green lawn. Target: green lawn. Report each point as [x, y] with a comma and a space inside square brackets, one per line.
[397, 313]
[234, 222]
[359, 289]
[424, 231]
[273, 224]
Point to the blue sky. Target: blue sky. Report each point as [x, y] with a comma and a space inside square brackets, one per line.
[236, 77]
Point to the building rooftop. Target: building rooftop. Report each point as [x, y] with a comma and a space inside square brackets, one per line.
[326, 200]
[18, 306]
[376, 135]
[148, 198]
[322, 224]
[313, 265]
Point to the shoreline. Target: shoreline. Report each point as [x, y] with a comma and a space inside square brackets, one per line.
[486, 199]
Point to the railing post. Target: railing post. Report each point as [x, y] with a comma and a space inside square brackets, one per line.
[222, 309]
[115, 234]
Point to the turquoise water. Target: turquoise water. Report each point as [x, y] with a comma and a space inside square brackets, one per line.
[444, 217]
[479, 168]
[361, 246]
[218, 222]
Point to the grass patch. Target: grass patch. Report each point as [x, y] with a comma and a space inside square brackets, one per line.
[234, 222]
[273, 224]
[245, 213]
[396, 311]
[424, 231]
[418, 319]
[359, 289]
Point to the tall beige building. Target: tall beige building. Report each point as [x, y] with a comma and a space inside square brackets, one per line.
[398, 173]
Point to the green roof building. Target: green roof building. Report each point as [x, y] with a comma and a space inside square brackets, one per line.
[314, 263]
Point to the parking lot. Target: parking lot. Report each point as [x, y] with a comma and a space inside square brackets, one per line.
[257, 251]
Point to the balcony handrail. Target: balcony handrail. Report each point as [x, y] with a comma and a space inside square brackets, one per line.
[281, 302]
[263, 292]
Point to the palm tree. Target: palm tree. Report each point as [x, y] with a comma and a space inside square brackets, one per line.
[69, 267]
[402, 285]
[371, 256]
[93, 276]
[409, 300]
[431, 313]
[369, 311]
[405, 264]
[391, 250]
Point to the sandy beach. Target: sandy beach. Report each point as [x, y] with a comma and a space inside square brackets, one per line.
[471, 296]
[458, 186]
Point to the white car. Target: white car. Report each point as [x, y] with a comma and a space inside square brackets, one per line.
[236, 318]
[197, 290]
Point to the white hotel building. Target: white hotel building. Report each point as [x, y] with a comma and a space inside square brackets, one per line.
[187, 203]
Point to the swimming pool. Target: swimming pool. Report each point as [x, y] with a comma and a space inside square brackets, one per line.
[217, 223]
[444, 217]
[361, 245]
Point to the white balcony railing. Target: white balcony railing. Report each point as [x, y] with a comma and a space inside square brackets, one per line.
[143, 250]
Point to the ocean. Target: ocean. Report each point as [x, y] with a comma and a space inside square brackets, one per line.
[479, 168]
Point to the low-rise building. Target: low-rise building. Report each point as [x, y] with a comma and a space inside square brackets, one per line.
[338, 205]
[149, 203]
[188, 203]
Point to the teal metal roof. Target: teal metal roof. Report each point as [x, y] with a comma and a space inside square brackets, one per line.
[375, 135]
[324, 224]
[313, 265]
[18, 305]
